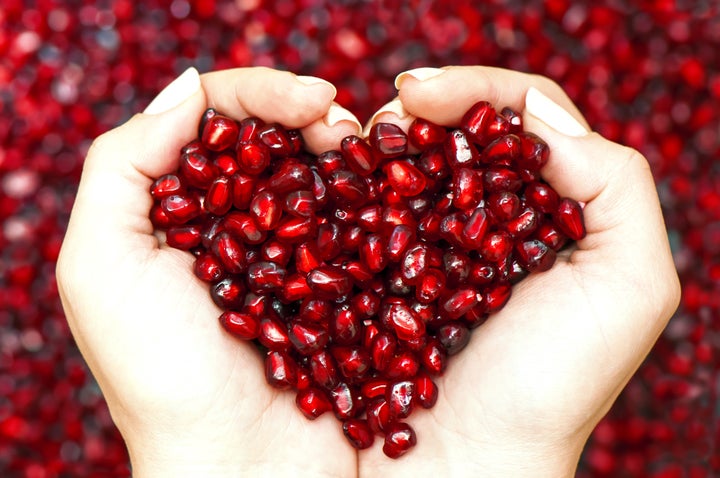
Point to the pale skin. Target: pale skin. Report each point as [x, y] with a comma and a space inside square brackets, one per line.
[522, 398]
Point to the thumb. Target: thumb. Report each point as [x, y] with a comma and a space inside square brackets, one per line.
[626, 236]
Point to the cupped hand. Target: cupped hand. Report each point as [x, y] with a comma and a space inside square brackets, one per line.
[523, 397]
[189, 399]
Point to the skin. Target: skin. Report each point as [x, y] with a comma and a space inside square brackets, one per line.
[520, 400]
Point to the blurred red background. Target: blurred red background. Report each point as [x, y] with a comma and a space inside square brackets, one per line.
[645, 73]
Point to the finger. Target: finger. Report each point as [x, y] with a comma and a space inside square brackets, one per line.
[327, 132]
[272, 95]
[626, 230]
[443, 95]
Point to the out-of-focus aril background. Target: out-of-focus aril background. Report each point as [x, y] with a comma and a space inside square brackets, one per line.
[645, 73]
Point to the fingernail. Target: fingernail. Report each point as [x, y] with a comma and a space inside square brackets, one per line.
[421, 74]
[552, 114]
[337, 114]
[182, 88]
[395, 107]
[314, 80]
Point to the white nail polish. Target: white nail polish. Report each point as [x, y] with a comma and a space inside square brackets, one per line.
[314, 80]
[337, 114]
[422, 74]
[552, 114]
[182, 88]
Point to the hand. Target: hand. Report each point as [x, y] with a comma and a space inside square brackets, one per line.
[523, 397]
[189, 399]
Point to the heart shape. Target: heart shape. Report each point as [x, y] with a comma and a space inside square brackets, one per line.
[359, 271]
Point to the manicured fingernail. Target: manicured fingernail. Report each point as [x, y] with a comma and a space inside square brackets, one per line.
[182, 88]
[422, 74]
[337, 114]
[395, 107]
[552, 114]
[314, 80]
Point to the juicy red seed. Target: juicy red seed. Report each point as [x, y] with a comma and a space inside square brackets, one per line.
[399, 438]
[569, 219]
[467, 188]
[158, 217]
[307, 338]
[477, 120]
[294, 288]
[167, 185]
[498, 179]
[433, 357]
[524, 223]
[253, 158]
[242, 190]
[264, 277]
[344, 401]
[358, 433]
[291, 176]
[208, 268]
[515, 123]
[266, 209]
[505, 150]
[219, 133]
[276, 251]
[395, 215]
[475, 228]
[323, 369]
[329, 282]
[219, 197]
[433, 164]
[378, 416]
[459, 151]
[372, 252]
[243, 226]
[398, 242]
[400, 398]
[229, 293]
[456, 266]
[276, 138]
[248, 130]
[503, 205]
[366, 304]
[382, 350]
[274, 334]
[459, 303]
[183, 237]
[293, 230]
[345, 326]
[534, 152]
[328, 241]
[307, 257]
[426, 392]
[312, 402]
[370, 218]
[541, 197]
[300, 203]
[388, 139]
[230, 252]
[243, 326]
[414, 263]
[453, 337]
[280, 370]
[347, 187]
[496, 297]
[373, 388]
[430, 285]
[354, 363]
[405, 179]
[329, 162]
[358, 155]
[403, 365]
[496, 246]
[180, 209]
[452, 226]
[226, 164]
[404, 322]
[422, 134]
[550, 235]
[535, 256]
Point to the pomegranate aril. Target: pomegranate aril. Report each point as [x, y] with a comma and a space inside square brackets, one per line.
[300, 203]
[312, 402]
[541, 196]
[503, 151]
[460, 302]
[208, 268]
[167, 185]
[329, 282]
[230, 252]
[569, 219]
[453, 337]
[475, 229]
[433, 357]
[426, 392]
[274, 334]
[403, 321]
[280, 370]
[496, 246]
[388, 140]
[403, 366]
[243, 326]
[467, 188]
[353, 362]
[307, 337]
[372, 252]
[219, 197]
[266, 209]
[515, 122]
[477, 120]
[264, 277]
[399, 438]
[226, 164]
[180, 209]
[291, 176]
[496, 179]
[219, 133]
[496, 297]
[345, 326]
[524, 224]
[405, 179]
[423, 134]
[229, 293]
[293, 230]
[358, 433]
[276, 138]
[535, 255]
[534, 151]
[183, 237]
[373, 388]
[503, 205]
[548, 233]
[347, 187]
[344, 401]
[459, 151]
[382, 350]
[432, 163]
[358, 155]
[294, 288]
[253, 158]
[242, 190]
[400, 398]
[329, 162]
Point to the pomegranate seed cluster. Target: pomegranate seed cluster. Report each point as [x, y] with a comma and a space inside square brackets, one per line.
[645, 74]
[358, 272]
